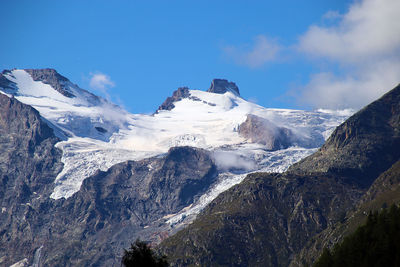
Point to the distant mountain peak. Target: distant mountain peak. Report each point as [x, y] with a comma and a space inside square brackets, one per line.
[5, 83]
[221, 86]
[177, 95]
[53, 78]
[218, 86]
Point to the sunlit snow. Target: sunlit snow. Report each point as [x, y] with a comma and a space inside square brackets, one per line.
[97, 134]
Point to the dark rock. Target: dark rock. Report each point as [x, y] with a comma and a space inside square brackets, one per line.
[221, 86]
[261, 222]
[179, 94]
[364, 146]
[262, 131]
[112, 208]
[384, 192]
[53, 78]
[6, 84]
[29, 164]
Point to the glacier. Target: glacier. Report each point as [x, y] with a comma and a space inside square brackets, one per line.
[96, 134]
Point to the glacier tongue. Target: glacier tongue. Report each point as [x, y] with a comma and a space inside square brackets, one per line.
[263, 161]
[97, 134]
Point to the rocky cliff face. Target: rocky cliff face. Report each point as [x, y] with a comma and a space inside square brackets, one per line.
[5, 84]
[384, 192]
[262, 131]
[53, 78]
[113, 208]
[177, 95]
[362, 147]
[221, 86]
[29, 163]
[268, 218]
[261, 222]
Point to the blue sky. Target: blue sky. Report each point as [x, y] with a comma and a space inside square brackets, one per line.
[285, 54]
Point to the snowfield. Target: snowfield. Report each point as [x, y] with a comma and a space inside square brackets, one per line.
[97, 134]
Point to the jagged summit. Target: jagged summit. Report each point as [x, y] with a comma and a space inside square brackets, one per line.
[177, 95]
[221, 86]
[46, 76]
[218, 86]
[53, 78]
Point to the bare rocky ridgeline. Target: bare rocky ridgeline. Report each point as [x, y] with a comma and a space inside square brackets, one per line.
[53, 78]
[179, 94]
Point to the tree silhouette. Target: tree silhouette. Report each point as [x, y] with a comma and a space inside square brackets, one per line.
[141, 254]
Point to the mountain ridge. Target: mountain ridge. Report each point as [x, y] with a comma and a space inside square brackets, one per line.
[84, 206]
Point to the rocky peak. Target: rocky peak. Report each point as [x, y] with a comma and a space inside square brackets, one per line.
[53, 78]
[6, 84]
[221, 86]
[177, 95]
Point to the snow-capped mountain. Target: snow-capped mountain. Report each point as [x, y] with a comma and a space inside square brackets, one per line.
[97, 134]
[110, 176]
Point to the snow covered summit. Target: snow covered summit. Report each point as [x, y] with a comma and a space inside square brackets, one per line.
[97, 134]
[72, 110]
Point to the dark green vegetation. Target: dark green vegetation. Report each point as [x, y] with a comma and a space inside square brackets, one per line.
[286, 219]
[377, 243]
[140, 254]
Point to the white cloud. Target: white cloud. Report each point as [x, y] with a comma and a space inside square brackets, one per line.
[256, 55]
[332, 15]
[101, 82]
[231, 160]
[364, 45]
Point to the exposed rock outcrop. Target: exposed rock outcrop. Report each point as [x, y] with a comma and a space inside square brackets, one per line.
[384, 192]
[364, 146]
[261, 222]
[262, 131]
[129, 200]
[5, 84]
[179, 94]
[221, 86]
[53, 78]
[29, 164]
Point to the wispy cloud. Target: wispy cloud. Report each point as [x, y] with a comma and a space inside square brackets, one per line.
[364, 45]
[101, 82]
[254, 55]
